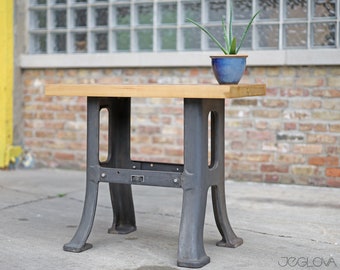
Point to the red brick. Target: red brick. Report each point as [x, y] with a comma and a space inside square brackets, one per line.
[64, 156]
[323, 161]
[274, 168]
[333, 172]
[332, 182]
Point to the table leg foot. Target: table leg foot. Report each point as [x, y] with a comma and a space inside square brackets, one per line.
[122, 229]
[194, 263]
[229, 238]
[72, 247]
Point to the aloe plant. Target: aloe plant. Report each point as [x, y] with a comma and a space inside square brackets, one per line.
[230, 41]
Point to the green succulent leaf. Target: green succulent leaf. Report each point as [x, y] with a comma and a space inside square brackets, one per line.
[233, 46]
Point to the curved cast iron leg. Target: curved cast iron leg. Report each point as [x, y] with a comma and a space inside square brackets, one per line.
[123, 210]
[191, 251]
[229, 238]
[78, 242]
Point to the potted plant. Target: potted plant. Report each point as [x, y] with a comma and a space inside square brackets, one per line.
[229, 67]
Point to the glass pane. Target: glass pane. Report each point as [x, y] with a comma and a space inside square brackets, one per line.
[168, 39]
[59, 18]
[39, 19]
[216, 10]
[39, 43]
[324, 8]
[295, 35]
[296, 9]
[101, 1]
[80, 42]
[101, 16]
[80, 1]
[192, 10]
[268, 36]
[218, 33]
[80, 17]
[39, 2]
[101, 42]
[145, 14]
[59, 43]
[269, 9]
[168, 13]
[60, 2]
[192, 38]
[323, 34]
[238, 32]
[123, 40]
[144, 38]
[242, 9]
[122, 15]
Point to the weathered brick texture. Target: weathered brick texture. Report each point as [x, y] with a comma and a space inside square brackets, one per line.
[292, 135]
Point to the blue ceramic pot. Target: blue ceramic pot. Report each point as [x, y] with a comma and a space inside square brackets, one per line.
[228, 69]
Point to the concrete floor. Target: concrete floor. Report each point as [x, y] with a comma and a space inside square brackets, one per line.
[40, 211]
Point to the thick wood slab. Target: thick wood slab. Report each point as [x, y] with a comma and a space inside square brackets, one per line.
[157, 90]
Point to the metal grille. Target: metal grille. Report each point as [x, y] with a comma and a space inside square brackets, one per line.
[112, 26]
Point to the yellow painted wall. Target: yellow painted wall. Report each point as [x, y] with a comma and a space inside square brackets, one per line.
[8, 152]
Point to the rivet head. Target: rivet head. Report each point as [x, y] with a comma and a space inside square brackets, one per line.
[176, 180]
[103, 175]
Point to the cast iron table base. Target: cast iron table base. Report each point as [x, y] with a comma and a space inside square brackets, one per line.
[195, 176]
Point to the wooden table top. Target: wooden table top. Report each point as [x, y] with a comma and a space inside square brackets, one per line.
[157, 90]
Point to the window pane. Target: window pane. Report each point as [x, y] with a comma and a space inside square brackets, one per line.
[324, 8]
[59, 43]
[296, 9]
[324, 34]
[242, 9]
[295, 35]
[144, 38]
[80, 17]
[216, 10]
[123, 40]
[38, 2]
[101, 42]
[145, 14]
[269, 9]
[268, 36]
[80, 1]
[218, 33]
[192, 10]
[59, 20]
[168, 39]
[39, 43]
[192, 38]
[238, 32]
[60, 1]
[39, 19]
[122, 15]
[168, 13]
[80, 42]
[101, 16]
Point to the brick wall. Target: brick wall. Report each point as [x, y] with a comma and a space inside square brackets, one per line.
[292, 135]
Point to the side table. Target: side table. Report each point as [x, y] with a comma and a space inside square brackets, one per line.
[195, 176]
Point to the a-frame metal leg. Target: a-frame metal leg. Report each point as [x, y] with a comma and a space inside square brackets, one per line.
[191, 251]
[78, 242]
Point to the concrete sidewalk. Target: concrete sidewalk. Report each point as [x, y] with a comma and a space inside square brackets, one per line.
[40, 211]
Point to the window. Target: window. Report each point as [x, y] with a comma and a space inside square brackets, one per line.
[141, 26]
